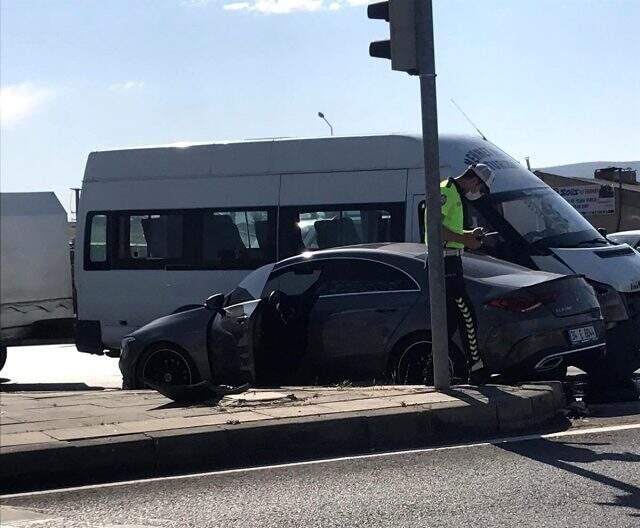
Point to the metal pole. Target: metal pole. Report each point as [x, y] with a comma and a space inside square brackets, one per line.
[74, 210]
[435, 259]
[619, 199]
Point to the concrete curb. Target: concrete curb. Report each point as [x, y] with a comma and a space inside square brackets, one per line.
[196, 449]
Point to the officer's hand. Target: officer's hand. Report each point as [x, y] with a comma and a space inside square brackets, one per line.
[479, 233]
[471, 241]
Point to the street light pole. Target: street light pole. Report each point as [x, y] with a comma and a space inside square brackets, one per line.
[321, 116]
[435, 247]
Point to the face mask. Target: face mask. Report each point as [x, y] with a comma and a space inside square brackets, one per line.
[473, 195]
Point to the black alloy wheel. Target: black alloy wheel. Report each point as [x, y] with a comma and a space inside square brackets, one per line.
[165, 364]
[414, 363]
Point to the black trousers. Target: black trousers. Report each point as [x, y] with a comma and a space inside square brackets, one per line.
[460, 312]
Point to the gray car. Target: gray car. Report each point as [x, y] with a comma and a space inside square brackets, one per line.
[627, 237]
[361, 313]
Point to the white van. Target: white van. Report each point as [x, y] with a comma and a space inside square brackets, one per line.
[164, 227]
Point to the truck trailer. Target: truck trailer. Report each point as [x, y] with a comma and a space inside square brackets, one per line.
[36, 305]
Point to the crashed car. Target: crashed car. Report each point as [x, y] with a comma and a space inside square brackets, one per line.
[361, 313]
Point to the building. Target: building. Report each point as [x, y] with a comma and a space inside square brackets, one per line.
[610, 200]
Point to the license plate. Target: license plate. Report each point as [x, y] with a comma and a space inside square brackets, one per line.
[586, 334]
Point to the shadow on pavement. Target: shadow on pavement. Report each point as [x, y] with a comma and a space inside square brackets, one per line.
[563, 455]
[47, 387]
[488, 391]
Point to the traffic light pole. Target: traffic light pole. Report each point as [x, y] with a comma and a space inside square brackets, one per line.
[435, 248]
[410, 48]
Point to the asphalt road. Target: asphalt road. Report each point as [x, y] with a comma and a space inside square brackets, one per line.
[583, 480]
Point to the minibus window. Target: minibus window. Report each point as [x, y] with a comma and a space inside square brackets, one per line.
[194, 239]
[238, 239]
[150, 237]
[308, 229]
[98, 239]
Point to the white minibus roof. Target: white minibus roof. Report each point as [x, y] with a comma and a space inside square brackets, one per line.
[303, 155]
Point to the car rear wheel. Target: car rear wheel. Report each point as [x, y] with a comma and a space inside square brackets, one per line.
[412, 362]
[166, 364]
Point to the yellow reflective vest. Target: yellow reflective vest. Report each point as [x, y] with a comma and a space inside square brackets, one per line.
[452, 212]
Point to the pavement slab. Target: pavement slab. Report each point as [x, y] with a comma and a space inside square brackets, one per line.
[43, 434]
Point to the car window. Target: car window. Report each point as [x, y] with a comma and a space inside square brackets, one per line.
[250, 287]
[348, 276]
[294, 280]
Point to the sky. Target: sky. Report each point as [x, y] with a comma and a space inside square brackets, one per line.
[556, 80]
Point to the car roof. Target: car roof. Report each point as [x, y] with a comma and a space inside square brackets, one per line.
[475, 264]
[402, 249]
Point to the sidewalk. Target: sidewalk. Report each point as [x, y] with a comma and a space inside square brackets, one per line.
[66, 438]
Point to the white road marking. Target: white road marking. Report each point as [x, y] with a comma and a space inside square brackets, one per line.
[505, 440]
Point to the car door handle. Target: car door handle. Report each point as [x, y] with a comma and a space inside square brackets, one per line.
[386, 310]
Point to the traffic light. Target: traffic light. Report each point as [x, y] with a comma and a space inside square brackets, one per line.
[402, 44]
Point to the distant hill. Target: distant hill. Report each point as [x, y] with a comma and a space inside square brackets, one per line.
[585, 170]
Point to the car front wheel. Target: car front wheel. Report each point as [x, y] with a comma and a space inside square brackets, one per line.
[166, 364]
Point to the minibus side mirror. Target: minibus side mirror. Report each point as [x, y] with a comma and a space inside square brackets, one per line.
[603, 231]
[215, 303]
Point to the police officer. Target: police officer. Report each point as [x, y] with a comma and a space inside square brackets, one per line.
[472, 184]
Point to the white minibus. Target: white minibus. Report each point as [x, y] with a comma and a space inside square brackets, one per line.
[161, 228]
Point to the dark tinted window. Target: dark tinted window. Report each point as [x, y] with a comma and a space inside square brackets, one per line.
[251, 287]
[236, 239]
[307, 228]
[187, 239]
[295, 280]
[151, 237]
[360, 276]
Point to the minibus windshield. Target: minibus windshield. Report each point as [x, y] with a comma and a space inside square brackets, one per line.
[545, 219]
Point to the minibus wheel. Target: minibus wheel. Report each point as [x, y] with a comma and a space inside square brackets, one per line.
[166, 363]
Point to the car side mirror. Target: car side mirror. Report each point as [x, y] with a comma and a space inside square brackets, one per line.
[215, 303]
[603, 231]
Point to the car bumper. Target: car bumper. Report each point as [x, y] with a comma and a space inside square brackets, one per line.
[536, 349]
[127, 363]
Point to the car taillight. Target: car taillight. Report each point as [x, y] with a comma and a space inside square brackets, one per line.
[516, 304]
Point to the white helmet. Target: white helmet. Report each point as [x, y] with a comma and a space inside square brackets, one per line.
[483, 172]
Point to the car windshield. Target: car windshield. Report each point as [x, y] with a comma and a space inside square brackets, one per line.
[250, 287]
[545, 219]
